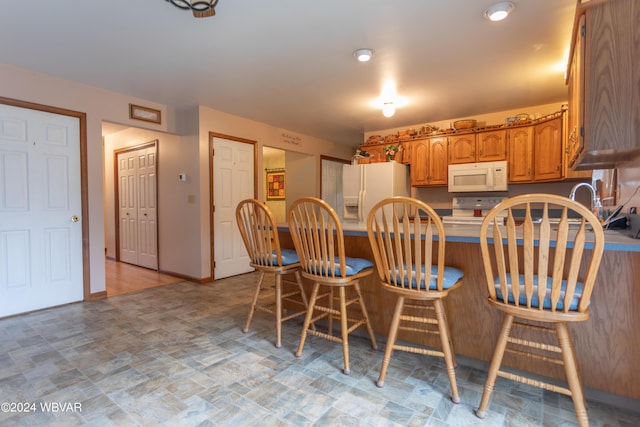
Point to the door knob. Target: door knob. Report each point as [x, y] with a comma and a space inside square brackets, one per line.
[75, 218]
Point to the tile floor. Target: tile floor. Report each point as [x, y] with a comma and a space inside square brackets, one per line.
[176, 356]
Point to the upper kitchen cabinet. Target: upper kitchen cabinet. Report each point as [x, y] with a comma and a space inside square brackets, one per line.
[536, 152]
[429, 162]
[520, 166]
[547, 155]
[603, 81]
[462, 148]
[492, 146]
[478, 147]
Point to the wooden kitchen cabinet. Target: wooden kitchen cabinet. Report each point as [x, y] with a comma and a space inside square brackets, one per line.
[547, 150]
[520, 163]
[603, 84]
[478, 147]
[405, 152]
[536, 152]
[429, 162]
[575, 140]
[491, 146]
[462, 148]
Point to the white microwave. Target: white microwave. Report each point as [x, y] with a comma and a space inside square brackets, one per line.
[483, 176]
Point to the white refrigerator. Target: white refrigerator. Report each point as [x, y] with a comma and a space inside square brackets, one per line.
[365, 185]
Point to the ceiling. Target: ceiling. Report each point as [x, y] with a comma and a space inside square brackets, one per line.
[289, 63]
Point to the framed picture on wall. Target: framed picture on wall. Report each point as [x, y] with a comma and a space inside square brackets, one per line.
[275, 185]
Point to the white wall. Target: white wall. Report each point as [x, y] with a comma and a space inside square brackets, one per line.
[186, 252]
[177, 216]
[210, 120]
[98, 105]
[628, 183]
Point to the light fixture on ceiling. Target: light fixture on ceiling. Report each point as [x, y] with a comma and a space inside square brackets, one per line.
[200, 8]
[363, 55]
[499, 11]
[388, 109]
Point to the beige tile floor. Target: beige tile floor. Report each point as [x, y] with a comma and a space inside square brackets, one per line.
[176, 356]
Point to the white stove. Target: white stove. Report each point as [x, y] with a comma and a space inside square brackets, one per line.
[470, 210]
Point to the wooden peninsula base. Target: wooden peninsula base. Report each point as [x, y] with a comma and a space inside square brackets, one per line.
[607, 345]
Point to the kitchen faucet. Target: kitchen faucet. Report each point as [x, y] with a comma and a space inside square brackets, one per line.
[594, 198]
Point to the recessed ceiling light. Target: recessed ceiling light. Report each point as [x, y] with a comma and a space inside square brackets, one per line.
[363, 55]
[499, 11]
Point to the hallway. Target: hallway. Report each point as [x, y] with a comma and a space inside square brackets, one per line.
[122, 278]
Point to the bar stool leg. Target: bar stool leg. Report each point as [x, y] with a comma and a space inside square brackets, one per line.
[363, 308]
[278, 310]
[572, 374]
[495, 365]
[344, 330]
[307, 319]
[447, 349]
[391, 341]
[253, 303]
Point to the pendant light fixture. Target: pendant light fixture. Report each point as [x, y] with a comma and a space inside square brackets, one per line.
[199, 8]
[388, 109]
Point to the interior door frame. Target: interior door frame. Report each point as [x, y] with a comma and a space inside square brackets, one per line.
[213, 135]
[84, 188]
[116, 194]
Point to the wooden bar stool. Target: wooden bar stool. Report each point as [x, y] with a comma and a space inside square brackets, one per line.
[402, 232]
[541, 277]
[318, 238]
[260, 237]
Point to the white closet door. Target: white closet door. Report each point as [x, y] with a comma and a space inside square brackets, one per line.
[138, 227]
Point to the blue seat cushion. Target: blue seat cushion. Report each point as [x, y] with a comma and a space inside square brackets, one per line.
[289, 256]
[354, 266]
[450, 278]
[535, 302]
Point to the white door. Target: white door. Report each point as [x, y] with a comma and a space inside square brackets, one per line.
[232, 183]
[40, 210]
[138, 228]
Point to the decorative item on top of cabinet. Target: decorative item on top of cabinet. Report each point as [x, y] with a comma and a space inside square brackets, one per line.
[429, 162]
[605, 110]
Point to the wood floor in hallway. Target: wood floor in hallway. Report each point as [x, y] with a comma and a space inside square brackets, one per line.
[123, 278]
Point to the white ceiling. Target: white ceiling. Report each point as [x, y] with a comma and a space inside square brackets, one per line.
[289, 63]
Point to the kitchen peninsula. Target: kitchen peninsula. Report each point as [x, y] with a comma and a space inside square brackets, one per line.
[607, 345]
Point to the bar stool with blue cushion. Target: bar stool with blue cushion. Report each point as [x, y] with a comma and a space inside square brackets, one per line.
[408, 242]
[260, 237]
[541, 264]
[318, 238]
